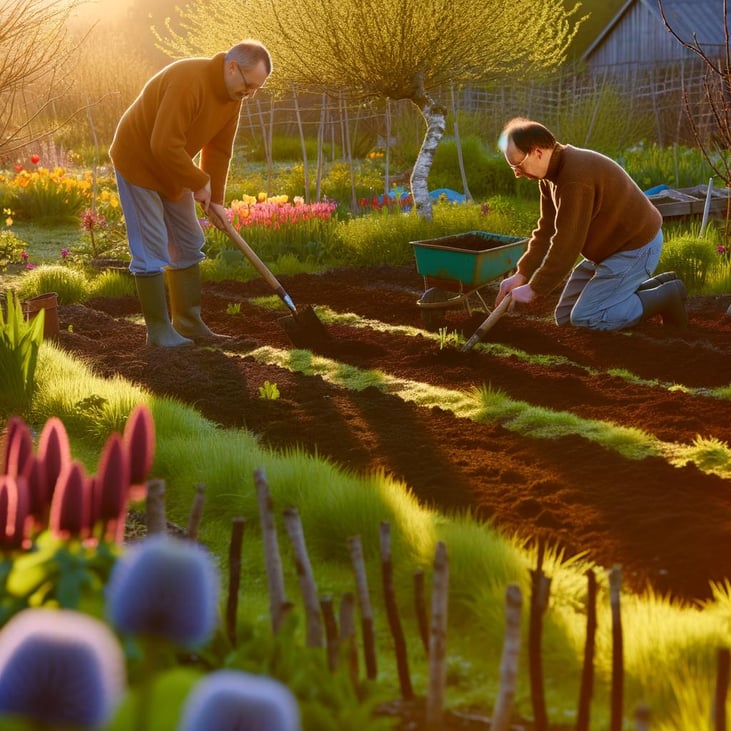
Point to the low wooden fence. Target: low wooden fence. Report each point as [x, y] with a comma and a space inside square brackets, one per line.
[321, 624]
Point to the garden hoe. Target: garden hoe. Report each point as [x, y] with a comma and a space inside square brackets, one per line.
[303, 327]
[488, 323]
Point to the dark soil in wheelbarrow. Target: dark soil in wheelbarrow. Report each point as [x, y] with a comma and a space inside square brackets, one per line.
[668, 527]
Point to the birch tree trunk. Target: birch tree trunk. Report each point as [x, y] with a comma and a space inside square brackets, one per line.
[435, 117]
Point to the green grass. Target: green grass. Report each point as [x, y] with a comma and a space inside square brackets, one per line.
[663, 641]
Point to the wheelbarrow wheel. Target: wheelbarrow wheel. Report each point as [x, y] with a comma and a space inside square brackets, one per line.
[433, 317]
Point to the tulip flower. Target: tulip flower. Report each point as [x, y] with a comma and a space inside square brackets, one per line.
[61, 668]
[18, 447]
[13, 511]
[230, 700]
[71, 503]
[111, 488]
[54, 450]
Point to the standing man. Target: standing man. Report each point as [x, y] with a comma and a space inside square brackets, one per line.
[191, 106]
[591, 211]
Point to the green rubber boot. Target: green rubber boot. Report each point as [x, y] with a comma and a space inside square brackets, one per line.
[185, 303]
[160, 331]
[667, 300]
[657, 280]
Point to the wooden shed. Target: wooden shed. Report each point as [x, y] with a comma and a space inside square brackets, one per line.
[636, 35]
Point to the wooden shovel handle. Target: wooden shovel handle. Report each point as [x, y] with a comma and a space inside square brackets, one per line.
[252, 256]
[489, 322]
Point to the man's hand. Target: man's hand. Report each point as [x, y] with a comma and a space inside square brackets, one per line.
[217, 216]
[509, 285]
[203, 196]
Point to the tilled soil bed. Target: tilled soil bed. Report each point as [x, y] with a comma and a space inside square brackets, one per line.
[668, 527]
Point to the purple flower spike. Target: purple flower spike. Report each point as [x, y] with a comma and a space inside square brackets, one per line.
[71, 503]
[18, 447]
[139, 438]
[229, 700]
[111, 486]
[165, 587]
[60, 667]
[54, 450]
[13, 511]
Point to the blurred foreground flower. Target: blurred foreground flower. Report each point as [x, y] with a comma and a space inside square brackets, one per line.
[165, 588]
[60, 667]
[231, 700]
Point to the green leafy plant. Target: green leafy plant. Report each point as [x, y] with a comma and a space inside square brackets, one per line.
[11, 248]
[233, 308]
[269, 391]
[19, 344]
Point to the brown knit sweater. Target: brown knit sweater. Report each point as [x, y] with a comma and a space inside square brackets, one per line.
[590, 207]
[183, 110]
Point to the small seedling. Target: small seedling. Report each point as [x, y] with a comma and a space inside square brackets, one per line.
[447, 338]
[233, 308]
[269, 391]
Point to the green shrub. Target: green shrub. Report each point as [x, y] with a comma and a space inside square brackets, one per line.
[694, 260]
[69, 284]
[11, 248]
[113, 284]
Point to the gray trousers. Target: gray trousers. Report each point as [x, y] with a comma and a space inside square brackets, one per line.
[161, 233]
[603, 296]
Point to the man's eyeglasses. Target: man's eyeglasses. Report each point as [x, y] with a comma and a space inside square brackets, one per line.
[250, 89]
[519, 165]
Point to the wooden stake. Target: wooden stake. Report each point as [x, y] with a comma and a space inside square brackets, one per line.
[587, 674]
[348, 647]
[364, 602]
[438, 640]
[155, 516]
[293, 524]
[540, 588]
[234, 576]
[196, 512]
[510, 659]
[617, 691]
[331, 632]
[394, 622]
[722, 679]
[420, 608]
[278, 604]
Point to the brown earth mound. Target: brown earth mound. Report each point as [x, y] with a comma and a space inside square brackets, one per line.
[668, 527]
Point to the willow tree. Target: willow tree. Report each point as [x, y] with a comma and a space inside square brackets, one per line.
[395, 49]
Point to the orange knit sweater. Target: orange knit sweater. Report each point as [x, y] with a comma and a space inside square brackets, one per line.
[590, 207]
[181, 111]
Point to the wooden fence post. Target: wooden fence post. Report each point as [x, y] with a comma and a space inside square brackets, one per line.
[234, 576]
[540, 588]
[331, 632]
[438, 640]
[348, 647]
[420, 608]
[587, 674]
[293, 524]
[196, 512]
[278, 604]
[510, 659]
[722, 678]
[402, 660]
[155, 513]
[617, 692]
[366, 612]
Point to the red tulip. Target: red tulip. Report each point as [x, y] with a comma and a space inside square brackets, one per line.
[35, 476]
[35, 159]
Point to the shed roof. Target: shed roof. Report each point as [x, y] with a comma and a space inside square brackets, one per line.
[699, 19]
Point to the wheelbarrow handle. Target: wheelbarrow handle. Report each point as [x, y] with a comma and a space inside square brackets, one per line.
[488, 323]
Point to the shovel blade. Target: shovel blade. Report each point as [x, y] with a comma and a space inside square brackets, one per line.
[304, 329]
